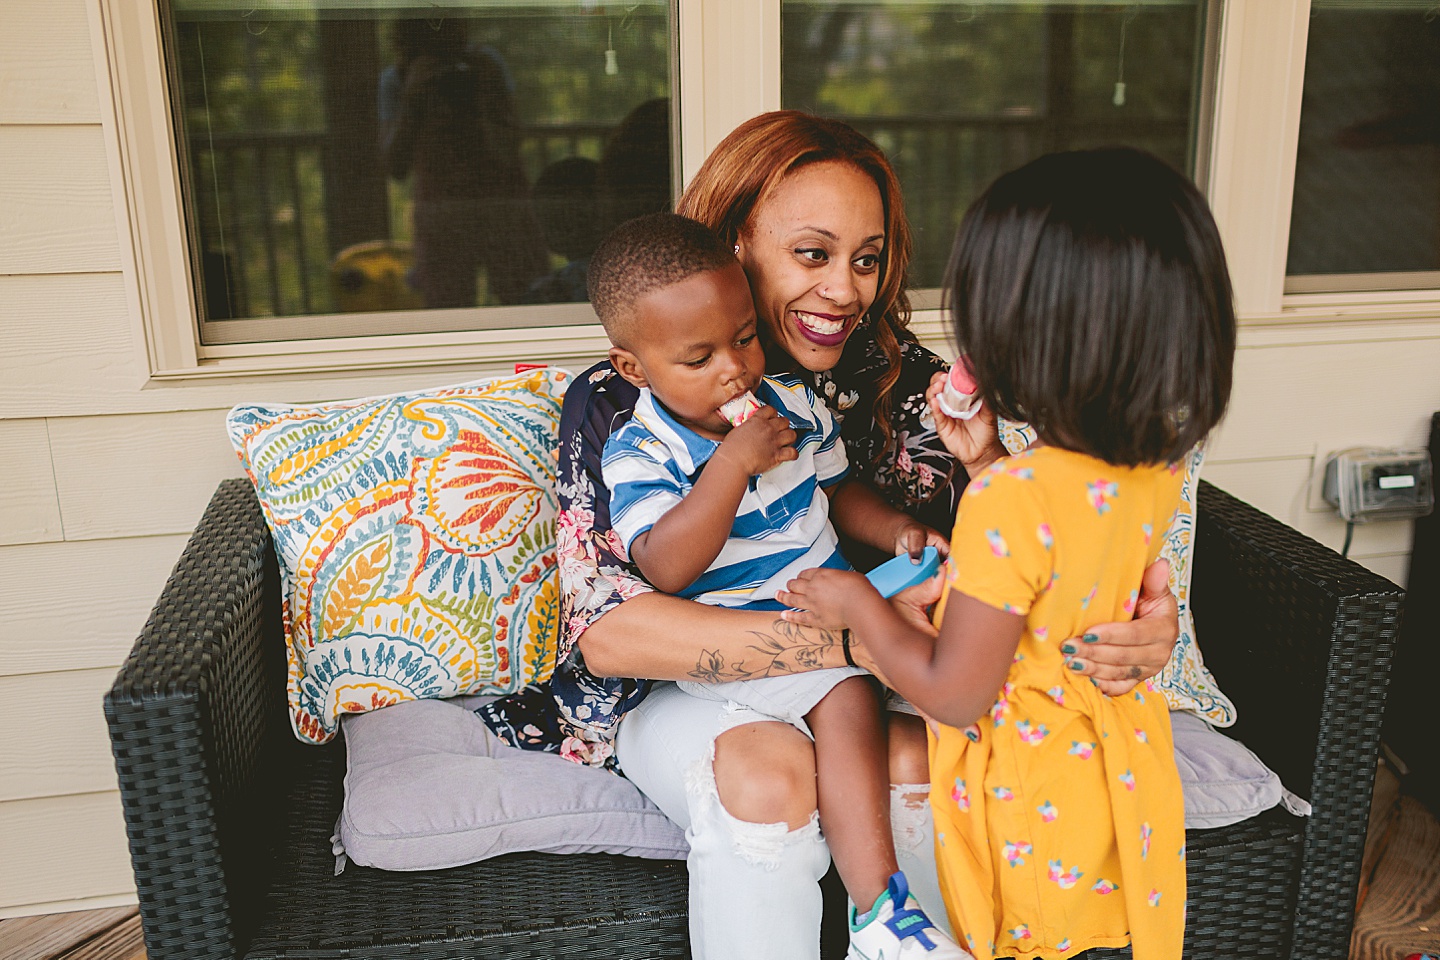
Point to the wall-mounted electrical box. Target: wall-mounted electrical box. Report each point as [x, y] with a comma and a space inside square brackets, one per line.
[1370, 483]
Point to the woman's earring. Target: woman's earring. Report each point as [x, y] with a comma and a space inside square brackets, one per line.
[737, 250]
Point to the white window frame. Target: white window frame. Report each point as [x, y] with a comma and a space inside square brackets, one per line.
[145, 177]
[1252, 178]
[1248, 174]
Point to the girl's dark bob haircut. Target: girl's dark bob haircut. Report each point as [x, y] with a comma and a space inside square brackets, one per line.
[1090, 292]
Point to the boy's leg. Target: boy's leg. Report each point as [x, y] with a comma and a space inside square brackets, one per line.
[853, 784]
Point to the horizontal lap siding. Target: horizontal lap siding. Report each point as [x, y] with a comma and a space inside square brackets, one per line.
[78, 605]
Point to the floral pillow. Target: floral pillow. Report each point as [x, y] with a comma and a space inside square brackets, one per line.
[416, 536]
[1185, 682]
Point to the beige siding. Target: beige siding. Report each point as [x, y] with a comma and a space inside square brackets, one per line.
[29, 507]
[63, 848]
[68, 751]
[78, 605]
[49, 74]
[105, 473]
[130, 476]
[56, 197]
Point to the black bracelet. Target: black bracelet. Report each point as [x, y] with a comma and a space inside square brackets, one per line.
[845, 646]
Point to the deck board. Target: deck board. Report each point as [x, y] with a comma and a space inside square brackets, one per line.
[55, 935]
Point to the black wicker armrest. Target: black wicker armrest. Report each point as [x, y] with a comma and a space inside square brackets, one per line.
[197, 725]
[1301, 639]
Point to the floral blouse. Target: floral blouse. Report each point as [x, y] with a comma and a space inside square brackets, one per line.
[576, 713]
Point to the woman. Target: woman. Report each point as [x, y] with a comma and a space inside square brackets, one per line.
[814, 212]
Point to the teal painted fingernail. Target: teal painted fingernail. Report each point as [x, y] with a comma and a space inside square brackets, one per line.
[1076, 665]
[1094, 682]
[1067, 648]
[1090, 638]
[974, 737]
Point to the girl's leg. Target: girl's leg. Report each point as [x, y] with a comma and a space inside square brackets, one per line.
[743, 787]
[853, 785]
[910, 817]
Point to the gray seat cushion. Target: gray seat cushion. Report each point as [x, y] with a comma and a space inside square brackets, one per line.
[428, 786]
[1223, 781]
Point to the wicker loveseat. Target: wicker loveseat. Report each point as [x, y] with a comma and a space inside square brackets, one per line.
[229, 818]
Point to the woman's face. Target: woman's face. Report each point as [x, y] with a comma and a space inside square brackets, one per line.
[812, 252]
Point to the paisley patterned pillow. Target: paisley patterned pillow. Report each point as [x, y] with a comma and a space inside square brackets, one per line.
[416, 536]
[1185, 682]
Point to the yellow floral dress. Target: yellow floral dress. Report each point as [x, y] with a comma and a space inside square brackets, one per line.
[1062, 827]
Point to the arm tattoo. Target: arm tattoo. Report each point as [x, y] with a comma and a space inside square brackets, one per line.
[786, 648]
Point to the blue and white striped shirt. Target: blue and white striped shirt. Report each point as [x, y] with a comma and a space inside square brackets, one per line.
[783, 524]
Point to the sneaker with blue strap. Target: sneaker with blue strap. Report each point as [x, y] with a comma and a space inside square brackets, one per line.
[897, 929]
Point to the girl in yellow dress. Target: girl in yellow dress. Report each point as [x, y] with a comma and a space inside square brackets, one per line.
[1089, 291]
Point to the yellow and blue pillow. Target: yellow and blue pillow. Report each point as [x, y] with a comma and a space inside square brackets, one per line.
[416, 537]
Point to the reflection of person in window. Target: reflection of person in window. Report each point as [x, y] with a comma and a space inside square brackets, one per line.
[448, 122]
[565, 207]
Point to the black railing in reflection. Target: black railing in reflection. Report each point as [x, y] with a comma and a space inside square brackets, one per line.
[260, 199]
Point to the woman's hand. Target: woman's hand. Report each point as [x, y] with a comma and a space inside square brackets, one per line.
[974, 442]
[913, 537]
[1117, 656]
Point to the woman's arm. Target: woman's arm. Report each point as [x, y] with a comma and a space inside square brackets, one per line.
[661, 637]
[863, 515]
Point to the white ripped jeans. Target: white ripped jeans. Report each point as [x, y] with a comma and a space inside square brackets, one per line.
[754, 887]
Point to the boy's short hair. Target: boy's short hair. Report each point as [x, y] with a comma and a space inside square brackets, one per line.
[1089, 290]
[643, 255]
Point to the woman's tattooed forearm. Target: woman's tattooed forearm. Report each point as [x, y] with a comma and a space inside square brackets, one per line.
[786, 648]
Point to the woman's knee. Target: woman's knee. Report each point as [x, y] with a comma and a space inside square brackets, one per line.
[765, 773]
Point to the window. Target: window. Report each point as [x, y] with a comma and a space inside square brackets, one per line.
[958, 93]
[1366, 211]
[369, 166]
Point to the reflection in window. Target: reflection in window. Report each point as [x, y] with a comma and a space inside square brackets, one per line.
[357, 157]
[1367, 175]
[958, 93]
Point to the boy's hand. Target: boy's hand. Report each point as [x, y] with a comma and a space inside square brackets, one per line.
[821, 597]
[912, 537]
[758, 444]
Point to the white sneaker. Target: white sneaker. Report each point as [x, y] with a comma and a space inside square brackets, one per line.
[903, 934]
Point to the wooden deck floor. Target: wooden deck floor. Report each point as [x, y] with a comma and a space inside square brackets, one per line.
[1399, 898]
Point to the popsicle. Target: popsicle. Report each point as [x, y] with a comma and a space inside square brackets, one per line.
[961, 398]
[740, 409]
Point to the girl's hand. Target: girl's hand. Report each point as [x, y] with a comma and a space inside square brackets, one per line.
[913, 603]
[912, 538]
[974, 442]
[1117, 656]
[820, 597]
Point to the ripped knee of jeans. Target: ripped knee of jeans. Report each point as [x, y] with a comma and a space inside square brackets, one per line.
[910, 818]
[758, 844]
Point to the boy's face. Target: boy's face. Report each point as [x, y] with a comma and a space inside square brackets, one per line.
[695, 347]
